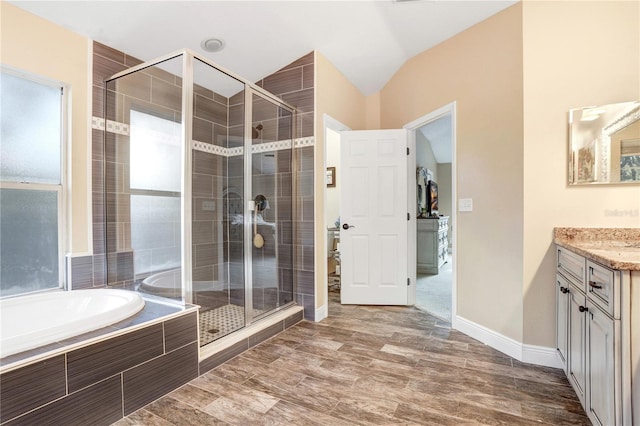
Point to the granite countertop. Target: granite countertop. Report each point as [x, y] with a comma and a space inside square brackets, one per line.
[616, 248]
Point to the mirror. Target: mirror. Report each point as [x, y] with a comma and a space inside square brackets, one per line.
[604, 144]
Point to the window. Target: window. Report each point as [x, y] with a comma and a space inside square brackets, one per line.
[155, 180]
[31, 184]
[630, 160]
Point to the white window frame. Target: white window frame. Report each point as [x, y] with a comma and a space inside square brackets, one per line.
[154, 193]
[60, 189]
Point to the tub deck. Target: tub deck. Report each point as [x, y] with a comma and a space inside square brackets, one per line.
[101, 376]
[153, 311]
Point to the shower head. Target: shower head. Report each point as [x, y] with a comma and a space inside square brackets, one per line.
[255, 131]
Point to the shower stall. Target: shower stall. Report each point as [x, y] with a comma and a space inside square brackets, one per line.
[199, 195]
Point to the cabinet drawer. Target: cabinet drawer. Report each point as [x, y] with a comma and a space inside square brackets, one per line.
[603, 289]
[572, 266]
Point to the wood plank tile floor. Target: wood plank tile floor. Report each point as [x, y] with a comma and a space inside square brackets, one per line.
[370, 365]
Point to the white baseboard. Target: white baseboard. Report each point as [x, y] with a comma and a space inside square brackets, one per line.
[531, 354]
[541, 355]
[320, 313]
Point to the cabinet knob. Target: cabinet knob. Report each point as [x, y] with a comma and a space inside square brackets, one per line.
[564, 290]
[583, 309]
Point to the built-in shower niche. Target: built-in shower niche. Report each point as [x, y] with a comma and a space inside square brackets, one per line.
[179, 224]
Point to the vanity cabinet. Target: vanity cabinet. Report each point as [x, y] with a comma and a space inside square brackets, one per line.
[596, 335]
[432, 244]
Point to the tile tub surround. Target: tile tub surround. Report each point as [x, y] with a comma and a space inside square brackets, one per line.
[616, 248]
[99, 383]
[98, 377]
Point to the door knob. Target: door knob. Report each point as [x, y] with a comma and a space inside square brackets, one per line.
[347, 226]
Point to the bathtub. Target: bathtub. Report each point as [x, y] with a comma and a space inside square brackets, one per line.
[169, 284]
[28, 322]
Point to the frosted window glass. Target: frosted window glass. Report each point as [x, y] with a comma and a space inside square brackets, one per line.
[28, 241]
[31, 131]
[155, 233]
[155, 153]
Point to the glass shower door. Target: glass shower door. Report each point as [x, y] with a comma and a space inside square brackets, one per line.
[198, 191]
[270, 236]
[217, 176]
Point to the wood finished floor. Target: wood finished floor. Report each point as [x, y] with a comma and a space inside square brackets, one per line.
[371, 366]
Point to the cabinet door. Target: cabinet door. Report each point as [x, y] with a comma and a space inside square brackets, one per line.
[601, 365]
[562, 319]
[577, 345]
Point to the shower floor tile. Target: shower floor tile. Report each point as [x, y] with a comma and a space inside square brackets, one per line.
[221, 321]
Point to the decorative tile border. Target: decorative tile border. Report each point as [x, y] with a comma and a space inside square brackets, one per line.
[271, 146]
[97, 123]
[302, 142]
[232, 152]
[210, 148]
[255, 149]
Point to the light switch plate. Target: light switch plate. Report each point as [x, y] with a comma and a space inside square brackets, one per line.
[465, 204]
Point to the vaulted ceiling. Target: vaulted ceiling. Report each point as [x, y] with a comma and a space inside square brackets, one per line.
[368, 41]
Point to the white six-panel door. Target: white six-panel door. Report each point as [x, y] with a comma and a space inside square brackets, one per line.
[373, 217]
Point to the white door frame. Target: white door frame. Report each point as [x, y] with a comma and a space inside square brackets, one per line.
[449, 109]
[335, 125]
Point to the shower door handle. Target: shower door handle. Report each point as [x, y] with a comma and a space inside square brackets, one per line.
[347, 226]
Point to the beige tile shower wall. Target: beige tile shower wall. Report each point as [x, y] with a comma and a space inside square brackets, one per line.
[37, 46]
[152, 91]
[209, 172]
[210, 125]
[106, 62]
[156, 91]
[295, 85]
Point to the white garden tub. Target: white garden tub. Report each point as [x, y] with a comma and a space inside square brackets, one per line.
[169, 284]
[28, 322]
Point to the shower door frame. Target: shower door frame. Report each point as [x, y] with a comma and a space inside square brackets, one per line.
[187, 94]
[249, 94]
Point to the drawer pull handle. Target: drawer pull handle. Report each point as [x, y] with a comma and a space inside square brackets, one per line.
[564, 290]
[583, 309]
[594, 284]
